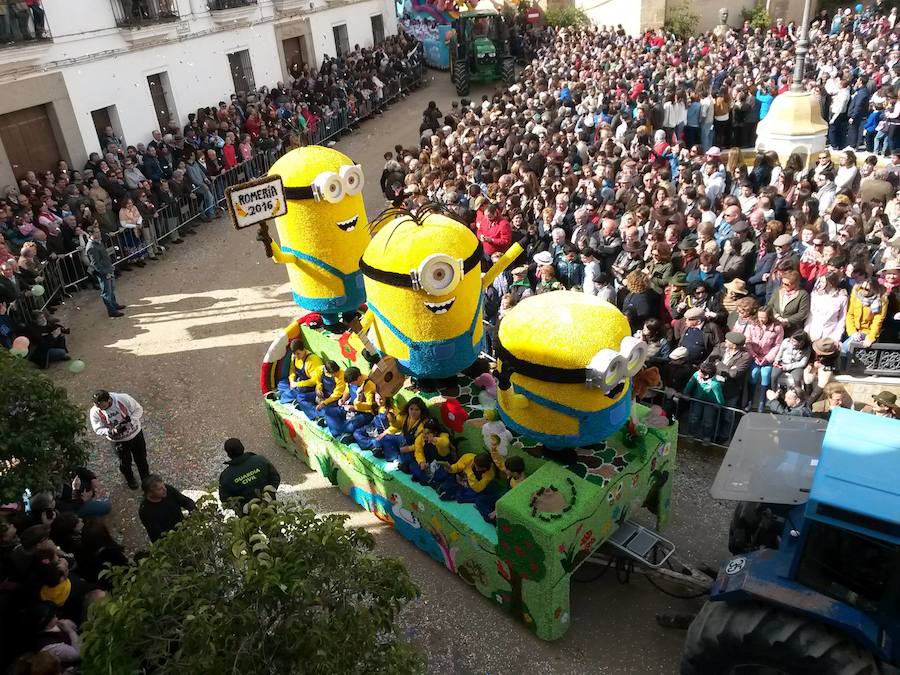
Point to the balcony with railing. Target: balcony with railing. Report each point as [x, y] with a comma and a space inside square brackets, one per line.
[24, 34]
[144, 21]
[232, 13]
[220, 5]
[141, 13]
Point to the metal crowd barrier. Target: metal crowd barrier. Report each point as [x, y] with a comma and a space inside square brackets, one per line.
[697, 417]
[65, 274]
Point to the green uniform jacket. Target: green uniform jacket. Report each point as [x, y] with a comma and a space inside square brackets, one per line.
[244, 477]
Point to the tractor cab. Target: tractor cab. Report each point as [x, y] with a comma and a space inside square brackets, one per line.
[819, 563]
[480, 49]
[848, 546]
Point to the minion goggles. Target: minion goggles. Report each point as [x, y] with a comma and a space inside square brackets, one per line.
[329, 186]
[438, 274]
[606, 371]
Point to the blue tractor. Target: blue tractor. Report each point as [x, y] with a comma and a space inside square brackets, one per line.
[816, 585]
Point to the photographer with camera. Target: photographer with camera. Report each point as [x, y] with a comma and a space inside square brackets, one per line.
[118, 418]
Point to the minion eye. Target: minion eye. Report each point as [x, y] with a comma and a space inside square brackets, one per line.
[352, 177]
[329, 186]
[634, 352]
[606, 370]
[438, 274]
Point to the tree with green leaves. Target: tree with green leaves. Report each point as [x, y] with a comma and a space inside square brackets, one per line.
[41, 431]
[522, 559]
[276, 590]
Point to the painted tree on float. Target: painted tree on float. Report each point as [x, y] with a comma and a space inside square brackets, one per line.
[520, 559]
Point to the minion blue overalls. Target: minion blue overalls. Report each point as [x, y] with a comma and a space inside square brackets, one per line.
[331, 308]
[286, 394]
[365, 436]
[308, 403]
[336, 417]
[437, 358]
[593, 426]
[392, 443]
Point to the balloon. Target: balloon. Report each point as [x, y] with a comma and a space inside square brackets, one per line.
[37, 291]
[19, 353]
[858, 8]
[21, 343]
[76, 366]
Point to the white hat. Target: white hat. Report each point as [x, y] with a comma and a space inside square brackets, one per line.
[714, 151]
[678, 353]
[543, 258]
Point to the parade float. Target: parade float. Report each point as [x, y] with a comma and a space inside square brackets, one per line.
[559, 395]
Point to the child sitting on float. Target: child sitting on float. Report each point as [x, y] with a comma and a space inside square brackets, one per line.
[401, 436]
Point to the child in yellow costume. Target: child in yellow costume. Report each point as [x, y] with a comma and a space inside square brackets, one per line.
[433, 445]
[330, 387]
[425, 288]
[324, 232]
[565, 363]
[301, 378]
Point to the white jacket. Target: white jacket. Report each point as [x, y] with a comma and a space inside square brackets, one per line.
[123, 406]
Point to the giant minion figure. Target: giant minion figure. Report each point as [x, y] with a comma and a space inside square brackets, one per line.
[565, 362]
[424, 290]
[324, 232]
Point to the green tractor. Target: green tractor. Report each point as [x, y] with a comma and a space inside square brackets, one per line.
[479, 49]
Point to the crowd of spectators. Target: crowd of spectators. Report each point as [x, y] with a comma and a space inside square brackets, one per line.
[751, 280]
[134, 193]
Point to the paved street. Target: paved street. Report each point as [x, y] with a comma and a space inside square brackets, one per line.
[198, 322]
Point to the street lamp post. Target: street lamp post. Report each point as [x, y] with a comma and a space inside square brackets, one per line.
[794, 122]
[801, 51]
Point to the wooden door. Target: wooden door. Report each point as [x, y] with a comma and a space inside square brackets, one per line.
[293, 53]
[29, 141]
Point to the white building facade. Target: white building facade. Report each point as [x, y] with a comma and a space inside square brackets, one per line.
[133, 64]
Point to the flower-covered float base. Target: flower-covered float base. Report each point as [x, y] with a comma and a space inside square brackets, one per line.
[546, 526]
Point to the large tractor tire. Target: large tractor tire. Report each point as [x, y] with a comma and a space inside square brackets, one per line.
[754, 526]
[748, 638]
[461, 78]
[508, 70]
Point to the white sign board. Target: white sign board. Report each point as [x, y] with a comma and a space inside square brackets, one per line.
[256, 201]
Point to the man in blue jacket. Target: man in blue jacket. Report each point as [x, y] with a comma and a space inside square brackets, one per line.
[857, 112]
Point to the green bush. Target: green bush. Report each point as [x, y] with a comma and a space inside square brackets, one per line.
[681, 20]
[277, 590]
[566, 17]
[758, 17]
[41, 430]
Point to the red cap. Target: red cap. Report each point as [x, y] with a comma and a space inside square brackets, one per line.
[453, 415]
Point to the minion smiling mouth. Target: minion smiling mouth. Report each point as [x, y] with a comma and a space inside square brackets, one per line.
[440, 307]
[348, 225]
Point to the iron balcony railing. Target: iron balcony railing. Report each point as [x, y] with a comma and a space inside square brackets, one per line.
[136, 13]
[215, 5]
[22, 24]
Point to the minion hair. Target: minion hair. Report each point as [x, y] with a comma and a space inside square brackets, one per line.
[418, 216]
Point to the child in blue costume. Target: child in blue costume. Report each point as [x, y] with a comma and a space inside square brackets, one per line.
[402, 435]
[433, 444]
[301, 374]
[368, 436]
[356, 407]
[330, 386]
